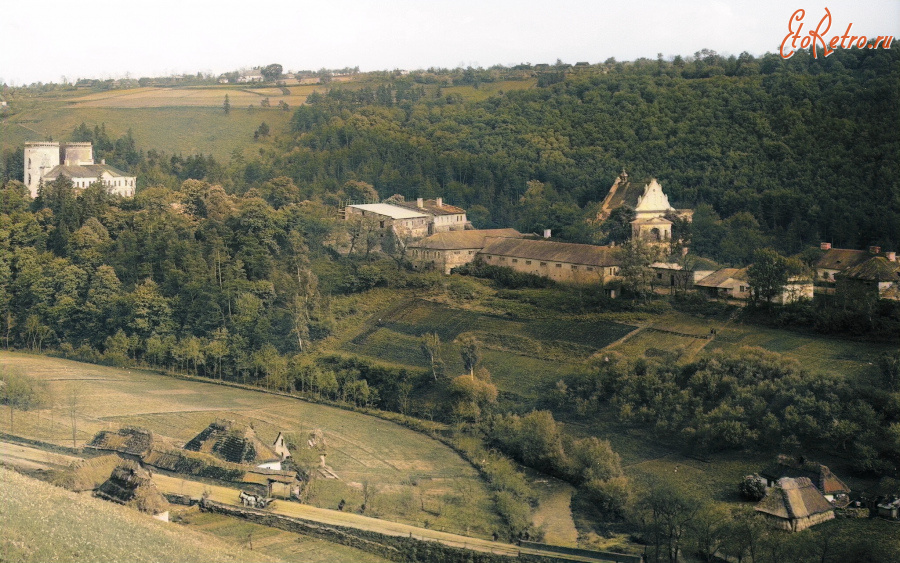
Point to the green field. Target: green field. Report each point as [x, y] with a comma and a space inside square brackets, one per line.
[398, 463]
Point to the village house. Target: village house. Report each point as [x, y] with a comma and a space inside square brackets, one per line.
[235, 443]
[795, 504]
[672, 274]
[447, 250]
[727, 283]
[44, 162]
[405, 222]
[559, 261]
[834, 261]
[877, 277]
[819, 475]
[441, 216]
[250, 76]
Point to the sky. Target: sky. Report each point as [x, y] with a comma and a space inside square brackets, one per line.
[49, 40]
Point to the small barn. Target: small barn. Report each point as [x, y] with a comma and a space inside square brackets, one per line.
[132, 485]
[235, 443]
[821, 476]
[129, 440]
[795, 505]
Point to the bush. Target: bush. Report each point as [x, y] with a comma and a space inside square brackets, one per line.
[752, 487]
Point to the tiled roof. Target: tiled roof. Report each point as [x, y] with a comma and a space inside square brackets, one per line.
[455, 240]
[841, 259]
[876, 268]
[550, 251]
[430, 206]
[84, 171]
[794, 498]
[719, 277]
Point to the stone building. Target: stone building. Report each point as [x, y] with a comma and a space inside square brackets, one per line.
[726, 283]
[405, 222]
[44, 162]
[559, 261]
[444, 251]
[441, 216]
[877, 277]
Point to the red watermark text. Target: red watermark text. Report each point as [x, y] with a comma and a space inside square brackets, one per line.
[815, 38]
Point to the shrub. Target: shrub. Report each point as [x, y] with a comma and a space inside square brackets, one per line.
[752, 487]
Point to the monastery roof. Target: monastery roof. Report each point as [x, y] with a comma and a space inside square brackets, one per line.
[626, 193]
[430, 206]
[794, 498]
[720, 277]
[389, 210]
[841, 258]
[653, 199]
[652, 221]
[551, 251]
[876, 268]
[84, 171]
[456, 240]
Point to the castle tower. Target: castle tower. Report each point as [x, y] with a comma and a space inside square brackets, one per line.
[40, 158]
[77, 154]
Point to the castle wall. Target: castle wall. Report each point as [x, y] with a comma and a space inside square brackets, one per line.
[40, 158]
[77, 154]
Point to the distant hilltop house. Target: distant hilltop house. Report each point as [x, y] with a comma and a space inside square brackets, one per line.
[415, 220]
[44, 162]
[251, 76]
[871, 272]
[651, 206]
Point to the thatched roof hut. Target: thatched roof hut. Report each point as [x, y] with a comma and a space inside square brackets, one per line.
[235, 443]
[128, 440]
[132, 485]
[795, 504]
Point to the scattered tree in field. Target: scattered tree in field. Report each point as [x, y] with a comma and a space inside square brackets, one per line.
[431, 348]
[767, 275]
[227, 105]
[20, 392]
[395, 245]
[470, 350]
[271, 72]
[637, 275]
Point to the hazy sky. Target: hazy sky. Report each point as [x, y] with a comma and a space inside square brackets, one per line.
[45, 40]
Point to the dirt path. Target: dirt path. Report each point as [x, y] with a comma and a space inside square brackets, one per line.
[32, 458]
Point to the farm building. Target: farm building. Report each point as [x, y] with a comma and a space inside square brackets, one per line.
[235, 443]
[135, 442]
[441, 216]
[795, 504]
[133, 485]
[445, 251]
[878, 277]
[405, 222]
[251, 76]
[44, 162]
[822, 477]
[836, 260]
[726, 283]
[560, 261]
[670, 274]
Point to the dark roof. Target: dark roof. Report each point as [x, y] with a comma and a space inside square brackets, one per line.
[84, 171]
[550, 251]
[430, 206]
[626, 193]
[841, 259]
[876, 268]
[455, 240]
[719, 277]
[236, 443]
[134, 441]
[794, 498]
[822, 477]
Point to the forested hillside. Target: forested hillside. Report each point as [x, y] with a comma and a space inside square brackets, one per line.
[808, 147]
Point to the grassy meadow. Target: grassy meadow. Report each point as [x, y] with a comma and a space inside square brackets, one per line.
[414, 478]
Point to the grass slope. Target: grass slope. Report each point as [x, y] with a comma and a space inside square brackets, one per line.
[42, 523]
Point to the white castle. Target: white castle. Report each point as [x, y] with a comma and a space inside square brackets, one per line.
[47, 161]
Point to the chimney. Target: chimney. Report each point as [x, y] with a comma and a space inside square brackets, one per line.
[825, 246]
[420, 203]
[546, 233]
[102, 161]
[874, 250]
[892, 256]
[439, 202]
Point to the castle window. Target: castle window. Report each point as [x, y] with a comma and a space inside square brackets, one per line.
[544, 264]
[589, 269]
[574, 267]
[515, 261]
[528, 262]
[559, 265]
